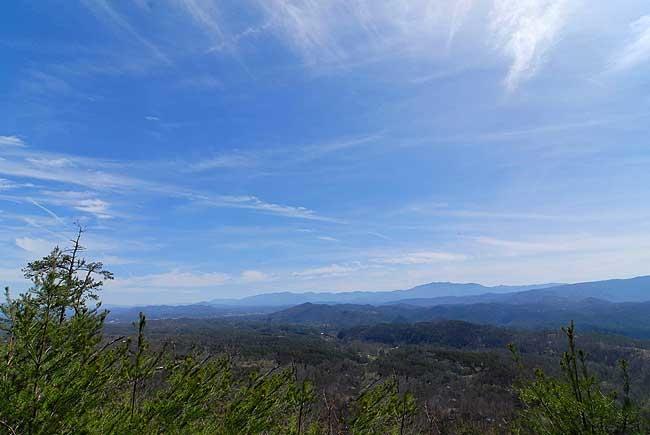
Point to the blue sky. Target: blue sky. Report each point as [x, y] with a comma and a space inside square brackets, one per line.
[225, 148]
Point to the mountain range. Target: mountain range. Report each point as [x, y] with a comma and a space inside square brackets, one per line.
[618, 306]
[446, 293]
[424, 291]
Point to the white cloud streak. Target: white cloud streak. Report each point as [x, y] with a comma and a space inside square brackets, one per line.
[11, 141]
[39, 247]
[173, 280]
[8, 184]
[94, 206]
[233, 160]
[306, 26]
[70, 170]
[206, 15]
[422, 257]
[460, 10]
[254, 203]
[637, 50]
[353, 31]
[569, 243]
[105, 10]
[524, 31]
[254, 276]
[349, 32]
[283, 156]
[342, 33]
[48, 211]
[332, 270]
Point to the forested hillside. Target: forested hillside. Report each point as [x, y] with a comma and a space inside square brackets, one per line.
[66, 371]
[611, 306]
[628, 318]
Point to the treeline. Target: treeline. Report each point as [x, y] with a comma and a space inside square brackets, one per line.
[61, 374]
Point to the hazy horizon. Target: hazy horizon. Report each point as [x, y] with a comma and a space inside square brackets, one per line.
[254, 293]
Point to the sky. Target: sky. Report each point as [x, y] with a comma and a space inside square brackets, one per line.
[218, 148]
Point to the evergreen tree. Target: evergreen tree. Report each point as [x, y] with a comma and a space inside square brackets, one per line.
[55, 366]
[574, 403]
[61, 375]
[383, 409]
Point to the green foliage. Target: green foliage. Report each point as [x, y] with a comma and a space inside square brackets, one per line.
[53, 365]
[382, 409]
[574, 403]
[61, 375]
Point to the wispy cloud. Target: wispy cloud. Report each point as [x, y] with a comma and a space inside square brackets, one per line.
[173, 280]
[10, 184]
[504, 215]
[637, 50]
[332, 270]
[254, 276]
[53, 162]
[283, 156]
[338, 33]
[379, 264]
[106, 11]
[564, 243]
[38, 247]
[94, 206]
[379, 235]
[460, 9]
[11, 141]
[518, 247]
[525, 31]
[48, 211]
[100, 176]
[254, 203]
[305, 25]
[206, 16]
[233, 40]
[313, 152]
[231, 160]
[63, 169]
[508, 215]
[422, 257]
[350, 33]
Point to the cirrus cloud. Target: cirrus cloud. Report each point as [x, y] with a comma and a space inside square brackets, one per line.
[422, 257]
[637, 50]
[525, 30]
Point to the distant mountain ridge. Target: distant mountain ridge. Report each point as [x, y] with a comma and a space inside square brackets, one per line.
[447, 293]
[424, 291]
[617, 305]
[614, 290]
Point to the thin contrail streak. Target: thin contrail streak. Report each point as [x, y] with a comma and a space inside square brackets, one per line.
[48, 211]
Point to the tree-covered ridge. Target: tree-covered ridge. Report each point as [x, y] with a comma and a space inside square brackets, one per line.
[61, 373]
[629, 318]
